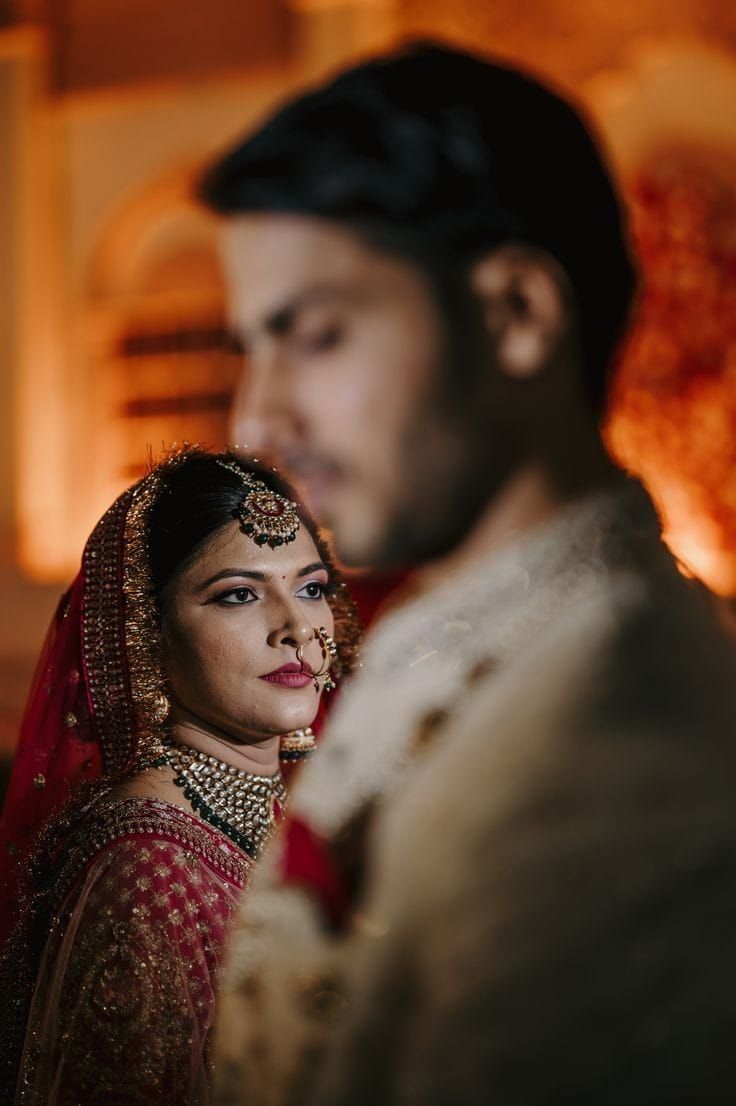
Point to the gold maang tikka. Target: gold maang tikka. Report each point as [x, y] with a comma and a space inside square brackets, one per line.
[265, 516]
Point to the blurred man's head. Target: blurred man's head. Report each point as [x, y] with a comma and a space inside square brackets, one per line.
[428, 271]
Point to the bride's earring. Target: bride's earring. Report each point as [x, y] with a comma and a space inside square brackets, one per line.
[297, 744]
[161, 708]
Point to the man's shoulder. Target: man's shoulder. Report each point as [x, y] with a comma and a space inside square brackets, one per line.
[644, 652]
[630, 690]
[569, 766]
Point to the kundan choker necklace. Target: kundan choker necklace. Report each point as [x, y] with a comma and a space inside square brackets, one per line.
[240, 804]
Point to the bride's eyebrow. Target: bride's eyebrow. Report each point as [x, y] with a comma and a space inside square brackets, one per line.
[317, 566]
[263, 577]
[241, 573]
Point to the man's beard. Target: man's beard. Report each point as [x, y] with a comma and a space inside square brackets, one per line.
[453, 470]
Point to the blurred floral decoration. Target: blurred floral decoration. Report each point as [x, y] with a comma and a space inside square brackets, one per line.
[673, 417]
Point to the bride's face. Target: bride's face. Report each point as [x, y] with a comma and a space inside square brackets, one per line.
[232, 620]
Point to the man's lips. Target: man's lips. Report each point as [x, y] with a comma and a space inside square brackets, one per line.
[290, 675]
[306, 464]
[319, 477]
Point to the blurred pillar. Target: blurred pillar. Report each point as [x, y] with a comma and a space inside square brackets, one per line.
[17, 51]
[33, 445]
[25, 315]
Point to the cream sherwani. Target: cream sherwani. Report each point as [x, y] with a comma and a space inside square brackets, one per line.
[537, 762]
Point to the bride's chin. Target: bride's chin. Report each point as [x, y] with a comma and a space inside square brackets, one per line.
[296, 720]
[275, 726]
[290, 712]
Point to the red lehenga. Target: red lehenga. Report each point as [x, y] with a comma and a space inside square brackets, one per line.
[125, 986]
[112, 946]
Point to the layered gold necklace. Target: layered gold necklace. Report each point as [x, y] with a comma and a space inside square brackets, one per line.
[242, 805]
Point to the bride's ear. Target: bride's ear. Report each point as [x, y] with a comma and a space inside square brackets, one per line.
[525, 300]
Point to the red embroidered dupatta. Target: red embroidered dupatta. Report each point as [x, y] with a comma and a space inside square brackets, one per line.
[91, 710]
[112, 947]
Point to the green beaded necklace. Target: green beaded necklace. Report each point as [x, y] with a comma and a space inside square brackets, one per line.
[240, 804]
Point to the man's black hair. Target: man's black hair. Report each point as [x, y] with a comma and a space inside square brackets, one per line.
[439, 155]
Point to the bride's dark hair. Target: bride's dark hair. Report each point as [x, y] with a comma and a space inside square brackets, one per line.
[198, 497]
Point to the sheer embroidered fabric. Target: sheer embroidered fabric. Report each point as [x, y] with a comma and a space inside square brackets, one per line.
[126, 979]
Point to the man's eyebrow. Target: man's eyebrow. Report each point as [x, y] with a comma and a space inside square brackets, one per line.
[279, 320]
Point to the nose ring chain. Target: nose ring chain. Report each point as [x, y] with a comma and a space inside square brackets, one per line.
[329, 654]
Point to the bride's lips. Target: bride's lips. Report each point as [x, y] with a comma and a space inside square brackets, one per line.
[289, 675]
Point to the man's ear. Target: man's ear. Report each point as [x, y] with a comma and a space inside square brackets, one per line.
[525, 300]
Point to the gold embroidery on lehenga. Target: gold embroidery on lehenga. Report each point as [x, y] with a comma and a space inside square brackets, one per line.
[126, 996]
[138, 994]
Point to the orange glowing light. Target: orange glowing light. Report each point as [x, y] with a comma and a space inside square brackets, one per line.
[673, 418]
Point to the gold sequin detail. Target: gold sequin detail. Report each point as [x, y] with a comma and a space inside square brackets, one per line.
[121, 664]
[137, 995]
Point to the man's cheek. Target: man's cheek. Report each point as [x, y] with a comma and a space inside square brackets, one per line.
[351, 388]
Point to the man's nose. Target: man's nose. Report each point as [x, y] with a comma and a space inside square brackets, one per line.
[262, 415]
[248, 426]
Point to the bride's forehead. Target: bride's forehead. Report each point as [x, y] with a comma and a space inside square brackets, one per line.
[231, 546]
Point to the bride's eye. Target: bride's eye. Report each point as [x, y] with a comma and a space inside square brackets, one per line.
[315, 589]
[236, 597]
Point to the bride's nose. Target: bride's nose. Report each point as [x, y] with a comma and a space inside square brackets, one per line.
[293, 630]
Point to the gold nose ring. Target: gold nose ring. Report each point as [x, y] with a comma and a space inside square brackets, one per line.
[329, 654]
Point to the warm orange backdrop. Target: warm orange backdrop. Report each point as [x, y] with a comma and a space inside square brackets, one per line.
[112, 306]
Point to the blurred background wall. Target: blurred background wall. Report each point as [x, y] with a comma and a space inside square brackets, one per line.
[112, 336]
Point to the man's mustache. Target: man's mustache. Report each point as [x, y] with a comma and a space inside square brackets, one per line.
[308, 464]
